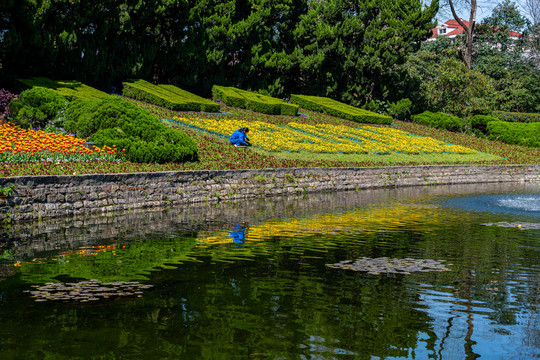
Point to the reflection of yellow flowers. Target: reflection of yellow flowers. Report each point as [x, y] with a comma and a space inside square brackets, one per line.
[326, 138]
[385, 218]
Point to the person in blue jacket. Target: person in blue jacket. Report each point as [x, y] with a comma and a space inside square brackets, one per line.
[240, 138]
[239, 232]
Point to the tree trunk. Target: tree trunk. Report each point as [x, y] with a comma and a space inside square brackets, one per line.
[469, 31]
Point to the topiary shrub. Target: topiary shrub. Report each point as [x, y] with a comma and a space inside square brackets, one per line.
[339, 109]
[253, 101]
[35, 107]
[441, 120]
[70, 89]
[114, 121]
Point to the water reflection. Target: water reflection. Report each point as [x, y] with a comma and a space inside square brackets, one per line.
[250, 280]
[514, 204]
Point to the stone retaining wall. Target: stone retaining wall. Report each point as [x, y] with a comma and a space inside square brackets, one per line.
[37, 197]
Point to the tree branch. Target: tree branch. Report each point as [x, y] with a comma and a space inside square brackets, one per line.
[456, 17]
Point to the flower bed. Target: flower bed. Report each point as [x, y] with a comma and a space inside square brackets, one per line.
[325, 138]
[20, 145]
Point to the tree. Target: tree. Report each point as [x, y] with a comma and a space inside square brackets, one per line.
[533, 9]
[469, 29]
[348, 50]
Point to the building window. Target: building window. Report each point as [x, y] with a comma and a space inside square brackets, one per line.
[442, 31]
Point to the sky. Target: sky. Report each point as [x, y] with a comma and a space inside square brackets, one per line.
[485, 8]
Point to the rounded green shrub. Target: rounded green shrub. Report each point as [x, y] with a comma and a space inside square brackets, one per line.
[35, 107]
[114, 121]
[441, 120]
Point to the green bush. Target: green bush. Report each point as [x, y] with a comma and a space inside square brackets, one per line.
[167, 96]
[70, 89]
[377, 106]
[114, 121]
[479, 122]
[526, 134]
[35, 107]
[441, 120]
[252, 101]
[338, 109]
[455, 89]
[516, 116]
[401, 109]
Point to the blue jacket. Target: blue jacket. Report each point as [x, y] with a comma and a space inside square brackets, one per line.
[239, 138]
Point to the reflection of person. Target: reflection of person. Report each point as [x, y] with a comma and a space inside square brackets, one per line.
[240, 138]
[238, 234]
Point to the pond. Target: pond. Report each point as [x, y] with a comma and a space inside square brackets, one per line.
[442, 272]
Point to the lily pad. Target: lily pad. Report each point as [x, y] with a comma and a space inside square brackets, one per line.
[85, 291]
[384, 265]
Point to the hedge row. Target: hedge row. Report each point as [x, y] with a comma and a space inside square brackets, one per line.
[70, 89]
[167, 96]
[252, 101]
[115, 122]
[516, 116]
[441, 120]
[526, 134]
[338, 109]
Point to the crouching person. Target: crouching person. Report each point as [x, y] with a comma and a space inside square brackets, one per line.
[240, 138]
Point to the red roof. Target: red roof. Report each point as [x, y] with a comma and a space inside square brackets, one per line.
[454, 28]
[454, 23]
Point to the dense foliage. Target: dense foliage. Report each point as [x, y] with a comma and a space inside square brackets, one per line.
[35, 107]
[516, 116]
[337, 48]
[116, 123]
[504, 75]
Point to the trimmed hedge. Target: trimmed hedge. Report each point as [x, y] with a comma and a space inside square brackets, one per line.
[114, 121]
[70, 89]
[441, 120]
[479, 122]
[338, 109]
[167, 96]
[516, 116]
[526, 134]
[252, 101]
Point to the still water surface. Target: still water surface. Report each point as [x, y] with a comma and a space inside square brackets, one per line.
[250, 280]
